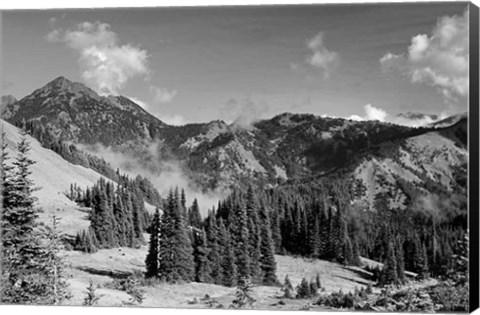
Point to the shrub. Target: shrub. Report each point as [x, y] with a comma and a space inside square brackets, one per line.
[137, 295]
[92, 297]
[341, 300]
[452, 298]
[243, 296]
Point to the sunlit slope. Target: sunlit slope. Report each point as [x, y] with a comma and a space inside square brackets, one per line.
[436, 157]
[52, 176]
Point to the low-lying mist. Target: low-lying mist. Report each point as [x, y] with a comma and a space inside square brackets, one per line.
[164, 172]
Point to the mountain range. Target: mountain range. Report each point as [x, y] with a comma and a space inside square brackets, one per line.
[215, 155]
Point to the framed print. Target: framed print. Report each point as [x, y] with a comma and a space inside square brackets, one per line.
[319, 157]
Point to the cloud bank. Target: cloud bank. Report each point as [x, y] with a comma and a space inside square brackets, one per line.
[371, 113]
[322, 58]
[105, 64]
[413, 120]
[440, 59]
[163, 95]
[243, 112]
[162, 172]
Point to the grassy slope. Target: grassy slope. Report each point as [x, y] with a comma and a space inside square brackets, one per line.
[435, 153]
[104, 265]
[52, 175]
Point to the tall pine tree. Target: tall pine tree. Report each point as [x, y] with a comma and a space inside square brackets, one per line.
[227, 257]
[152, 260]
[176, 252]
[267, 249]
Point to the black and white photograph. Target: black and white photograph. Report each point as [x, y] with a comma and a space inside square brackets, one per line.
[299, 157]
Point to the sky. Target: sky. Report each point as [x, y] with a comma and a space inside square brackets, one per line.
[188, 65]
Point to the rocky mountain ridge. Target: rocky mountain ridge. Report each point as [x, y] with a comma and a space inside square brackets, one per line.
[218, 155]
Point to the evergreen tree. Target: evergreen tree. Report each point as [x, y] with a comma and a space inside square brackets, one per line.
[121, 221]
[276, 229]
[152, 262]
[317, 281]
[303, 290]
[84, 242]
[137, 214]
[267, 258]
[389, 271]
[420, 263]
[183, 203]
[240, 239]
[287, 288]
[19, 214]
[102, 219]
[31, 273]
[356, 253]
[315, 241]
[176, 253]
[400, 261]
[194, 218]
[347, 250]
[229, 268]
[200, 253]
[6, 175]
[214, 254]
[288, 239]
[55, 266]
[254, 235]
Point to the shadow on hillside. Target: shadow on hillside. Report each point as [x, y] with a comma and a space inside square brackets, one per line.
[116, 274]
[360, 273]
[362, 282]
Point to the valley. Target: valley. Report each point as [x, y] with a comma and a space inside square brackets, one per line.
[311, 196]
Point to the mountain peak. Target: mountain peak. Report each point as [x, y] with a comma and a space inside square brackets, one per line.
[62, 84]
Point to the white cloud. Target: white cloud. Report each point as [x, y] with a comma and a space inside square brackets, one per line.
[322, 58]
[371, 113]
[413, 120]
[440, 60]
[163, 95]
[174, 120]
[243, 112]
[105, 64]
[374, 113]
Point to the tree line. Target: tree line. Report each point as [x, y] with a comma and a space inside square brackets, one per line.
[183, 247]
[117, 217]
[71, 153]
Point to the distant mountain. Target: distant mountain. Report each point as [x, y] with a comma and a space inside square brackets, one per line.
[449, 121]
[435, 161]
[288, 147]
[417, 116]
